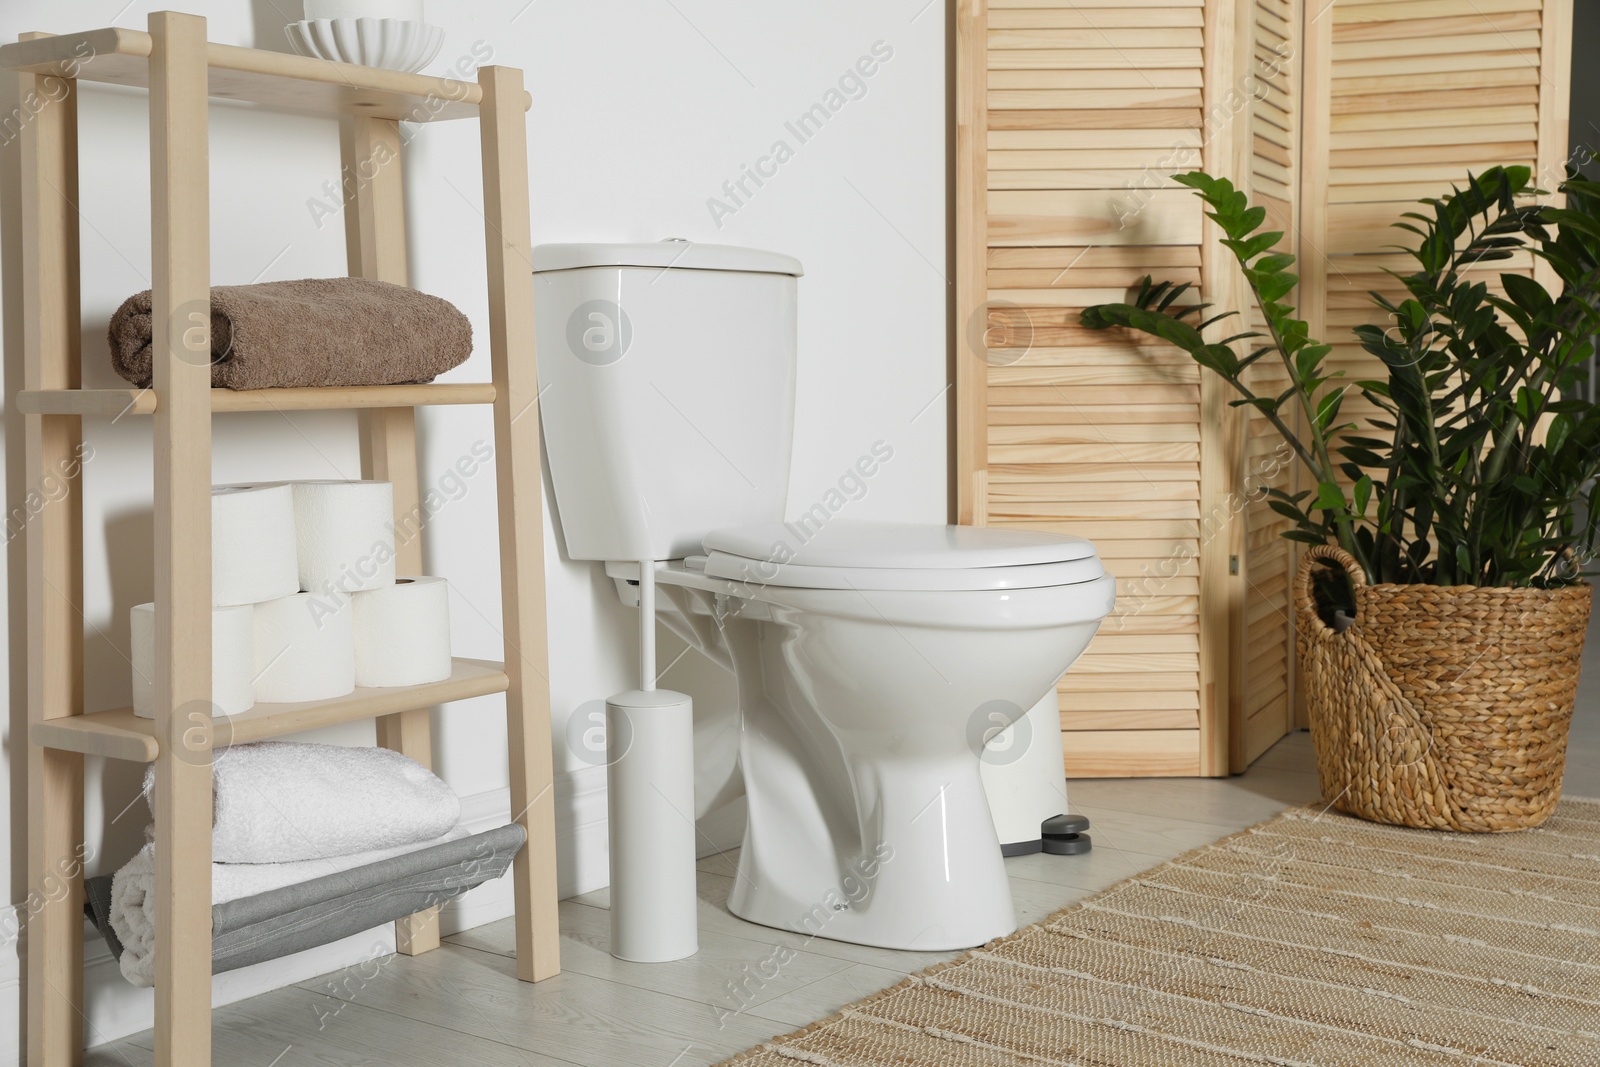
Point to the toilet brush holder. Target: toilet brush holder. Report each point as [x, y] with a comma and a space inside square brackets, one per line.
[650, 786]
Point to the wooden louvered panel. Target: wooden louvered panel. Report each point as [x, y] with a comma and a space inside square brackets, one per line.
[1003, 5]
[1103, 178]
[1071, 121]
[1498, 74]
[1186, 98]
[1093, 18]
[1400, 10]
[1386, 103]
[1523, 116]
[1109, 258]
[1097, 38]
[1083, 114]
[1094, 80]
[1260, 711]
[1081, 490]
[1427, 43]
[1151, 682]
[1123, 711]
[1131, 753]
[1094, 58]
[1180, 708]
[1108, 357]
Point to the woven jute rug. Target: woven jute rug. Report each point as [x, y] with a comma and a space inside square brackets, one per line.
[1311, 940]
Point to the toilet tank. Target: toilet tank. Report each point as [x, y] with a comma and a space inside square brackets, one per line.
[666, 377]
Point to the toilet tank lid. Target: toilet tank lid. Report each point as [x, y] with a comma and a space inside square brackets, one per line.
[888, 545]
[671, 254]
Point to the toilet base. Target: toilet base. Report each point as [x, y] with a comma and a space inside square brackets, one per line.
[931, 879]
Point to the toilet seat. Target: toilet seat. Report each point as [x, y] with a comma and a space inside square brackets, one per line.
[897, 556]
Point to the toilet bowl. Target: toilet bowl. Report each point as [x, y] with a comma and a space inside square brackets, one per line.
[872, 660]
[866, 691]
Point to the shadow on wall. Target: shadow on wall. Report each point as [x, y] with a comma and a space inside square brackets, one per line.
[108, 681]
[268, 18]
[16, 749]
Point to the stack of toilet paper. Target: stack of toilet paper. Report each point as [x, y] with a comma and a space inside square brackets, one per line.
[306, 604]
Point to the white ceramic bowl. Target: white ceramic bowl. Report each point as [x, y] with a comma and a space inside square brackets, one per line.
[394, 44]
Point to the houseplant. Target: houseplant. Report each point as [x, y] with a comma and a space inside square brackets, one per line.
[1458, 514]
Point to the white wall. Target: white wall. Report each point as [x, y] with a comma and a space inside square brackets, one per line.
[642, 110]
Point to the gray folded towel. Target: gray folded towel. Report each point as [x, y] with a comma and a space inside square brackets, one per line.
[291, 918]
[311, 332]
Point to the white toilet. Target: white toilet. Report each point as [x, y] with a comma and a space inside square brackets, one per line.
[872, 660]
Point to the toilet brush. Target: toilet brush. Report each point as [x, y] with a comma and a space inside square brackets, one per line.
[650, 787]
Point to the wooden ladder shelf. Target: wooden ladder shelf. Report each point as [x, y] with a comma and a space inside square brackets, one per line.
[183, 71]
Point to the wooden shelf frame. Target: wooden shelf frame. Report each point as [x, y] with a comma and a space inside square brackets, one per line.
[115, 403]
[120, 734]
[184, 73]
[118, 56]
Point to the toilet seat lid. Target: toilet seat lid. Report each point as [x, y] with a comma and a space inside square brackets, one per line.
[894, 545]
[911, 556]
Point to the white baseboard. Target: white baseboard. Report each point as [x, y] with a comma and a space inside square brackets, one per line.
[115, 1009]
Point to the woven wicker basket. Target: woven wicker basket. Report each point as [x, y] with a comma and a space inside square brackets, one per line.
[1442, 707]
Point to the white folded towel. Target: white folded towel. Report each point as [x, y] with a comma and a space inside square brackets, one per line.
[133, 893]
[282, 801]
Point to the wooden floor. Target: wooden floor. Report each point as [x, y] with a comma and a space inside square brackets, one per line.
[463, 1004]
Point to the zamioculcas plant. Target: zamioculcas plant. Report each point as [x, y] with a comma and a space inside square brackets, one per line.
[1474, 471]
[1447, 524]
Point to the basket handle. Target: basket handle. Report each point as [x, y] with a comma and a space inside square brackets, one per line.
[1303, 603]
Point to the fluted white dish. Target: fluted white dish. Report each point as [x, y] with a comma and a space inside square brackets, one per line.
[393, 44]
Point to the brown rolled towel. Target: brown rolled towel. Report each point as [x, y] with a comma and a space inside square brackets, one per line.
[311, 332]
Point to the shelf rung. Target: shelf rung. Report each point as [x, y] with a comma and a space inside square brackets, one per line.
[120, 56]
[113, 403]
[119, 734]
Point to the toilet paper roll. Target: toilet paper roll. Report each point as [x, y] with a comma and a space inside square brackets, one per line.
[232, 658]
[303, 648]
[344, 533]
[253, 543]
[402, 633]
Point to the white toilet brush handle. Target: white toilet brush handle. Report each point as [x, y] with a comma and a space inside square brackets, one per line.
[647, 625]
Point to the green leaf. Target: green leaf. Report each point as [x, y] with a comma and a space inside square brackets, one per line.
[1527, 293]
[1330, 497]
[1288, 511]
[1560, 429]
[1363, 494]
[1328, 408]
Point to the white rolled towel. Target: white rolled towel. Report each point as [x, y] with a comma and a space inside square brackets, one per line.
[283, 801]
[133, 893]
